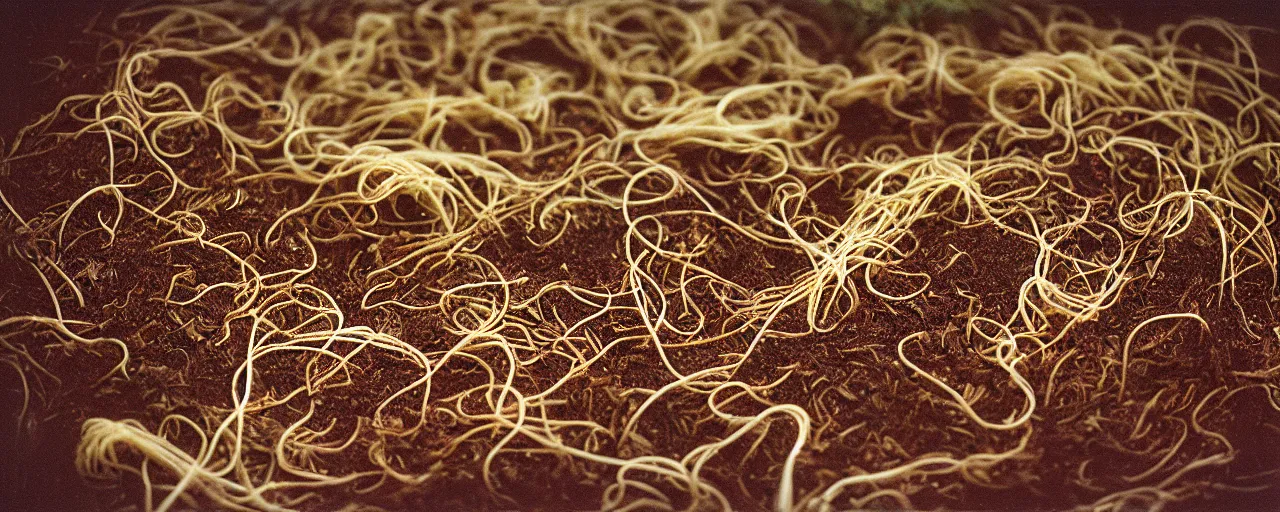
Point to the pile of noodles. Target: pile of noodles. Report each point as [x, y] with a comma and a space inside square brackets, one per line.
[422, 133]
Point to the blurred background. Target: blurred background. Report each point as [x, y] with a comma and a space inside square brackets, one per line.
[34, 30]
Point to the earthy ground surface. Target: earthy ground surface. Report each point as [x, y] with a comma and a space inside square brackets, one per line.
[1191, 393]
